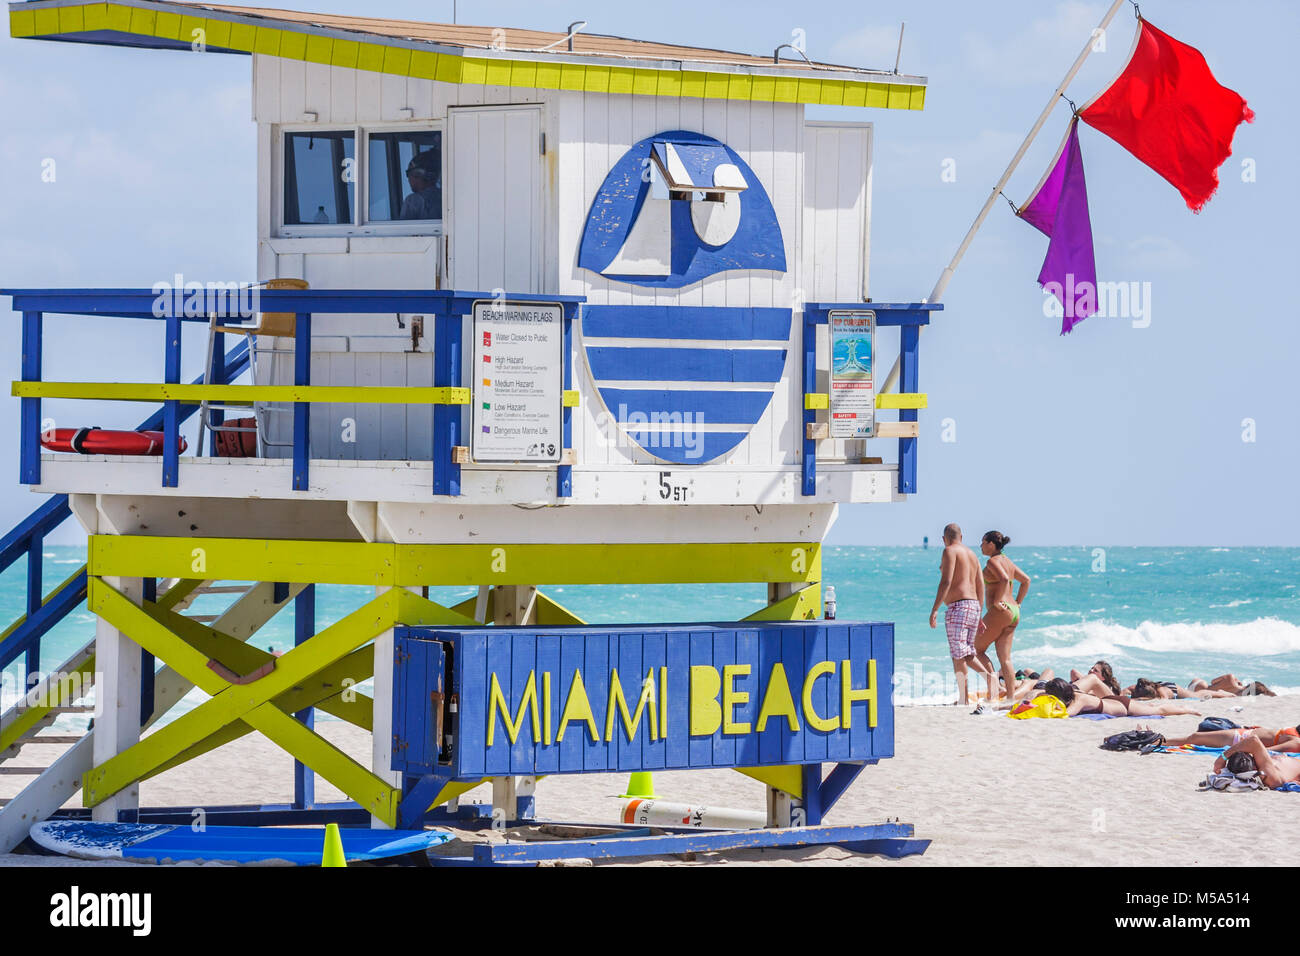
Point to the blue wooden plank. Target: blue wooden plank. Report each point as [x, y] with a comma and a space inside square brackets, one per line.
[304, 627]
[564, 473]
[861, 734]
[171, 409]
[631, 675]
[523, 667]
[301, 410]
[546, 753]
[770, 739]
[698, 842]
[747, 653]
[809, 383]
[701, 655]
[724, 653]
[498, 666]
[908, 381]
[792, 656]
[814, 747]
[640, 364]
[705, 407]
[654, 657]
[471, 668]
[446, 418]
[837, 648]
[29, 429]
[35, 595]
[687, 448]
[596, 755]
[882, 649]
[738, 324]
[573, 747]
[216, 416]
[677, 744]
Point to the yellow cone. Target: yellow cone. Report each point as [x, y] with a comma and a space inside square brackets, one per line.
[640, 785]
[333, 855]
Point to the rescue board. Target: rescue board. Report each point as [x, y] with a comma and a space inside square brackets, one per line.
[159, 842]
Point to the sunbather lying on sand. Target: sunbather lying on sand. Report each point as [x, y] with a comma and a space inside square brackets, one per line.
[1146, 689]
[1115, 705]
[1234, 687]
[1249, 754]
[1283, 740]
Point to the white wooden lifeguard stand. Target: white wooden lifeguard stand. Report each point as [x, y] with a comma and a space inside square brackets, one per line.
[693, 228]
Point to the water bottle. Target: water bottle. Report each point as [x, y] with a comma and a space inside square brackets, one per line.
[830, 603]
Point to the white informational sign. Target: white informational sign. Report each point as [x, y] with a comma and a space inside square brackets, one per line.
[518, 382]
[853, 394]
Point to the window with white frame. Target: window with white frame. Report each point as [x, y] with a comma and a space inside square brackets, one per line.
[391, 185]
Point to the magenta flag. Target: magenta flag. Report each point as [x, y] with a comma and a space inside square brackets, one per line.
[1058, 208]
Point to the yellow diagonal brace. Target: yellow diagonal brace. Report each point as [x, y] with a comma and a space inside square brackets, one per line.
[61, 692]
[334, 765]
[468, 606]
[788, 778]
[551, 612]
[179, 591]
[229, 703]
[418, 611]
[803, 604]
[322, 692]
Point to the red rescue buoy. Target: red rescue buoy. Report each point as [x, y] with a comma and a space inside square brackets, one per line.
[101, 441]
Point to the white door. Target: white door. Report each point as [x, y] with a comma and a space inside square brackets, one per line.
[495, 228]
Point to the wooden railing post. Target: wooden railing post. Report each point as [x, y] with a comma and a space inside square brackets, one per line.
[171, 409]
[29, 454]
[301, 410]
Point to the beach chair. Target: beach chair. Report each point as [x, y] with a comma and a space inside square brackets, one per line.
[271, 325]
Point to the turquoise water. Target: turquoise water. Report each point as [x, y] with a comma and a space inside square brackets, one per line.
[1167, 613]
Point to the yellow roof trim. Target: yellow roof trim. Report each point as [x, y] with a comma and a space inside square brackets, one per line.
[74, 21]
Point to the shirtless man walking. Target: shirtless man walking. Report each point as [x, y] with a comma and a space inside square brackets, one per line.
[961, 587]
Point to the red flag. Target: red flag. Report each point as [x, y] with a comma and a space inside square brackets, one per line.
[1167, 109]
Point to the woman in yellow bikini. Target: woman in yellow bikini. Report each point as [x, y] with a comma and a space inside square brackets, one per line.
[999, 625]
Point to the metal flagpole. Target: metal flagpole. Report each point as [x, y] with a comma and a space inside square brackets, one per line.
[891, 380]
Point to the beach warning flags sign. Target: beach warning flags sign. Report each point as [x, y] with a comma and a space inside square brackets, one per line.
[1168, 110]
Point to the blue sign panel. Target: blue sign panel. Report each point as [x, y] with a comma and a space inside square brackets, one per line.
[578, 700]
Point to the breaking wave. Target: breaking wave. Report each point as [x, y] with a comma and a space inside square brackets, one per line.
[1261, 637]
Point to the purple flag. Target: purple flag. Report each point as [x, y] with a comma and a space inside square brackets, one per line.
[1058, 208]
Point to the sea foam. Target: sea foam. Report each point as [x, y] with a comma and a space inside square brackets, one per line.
[1260, 637]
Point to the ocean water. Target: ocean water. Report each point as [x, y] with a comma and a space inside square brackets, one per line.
[1165, 613]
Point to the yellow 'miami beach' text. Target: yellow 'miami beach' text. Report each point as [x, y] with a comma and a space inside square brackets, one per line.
[713, 699]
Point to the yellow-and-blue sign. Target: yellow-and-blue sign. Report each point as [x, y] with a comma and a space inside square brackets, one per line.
[579, 700]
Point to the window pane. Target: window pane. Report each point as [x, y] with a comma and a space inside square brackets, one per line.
[319, 177]
[405, 176]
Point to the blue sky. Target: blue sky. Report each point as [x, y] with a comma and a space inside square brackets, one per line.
[1113, 435]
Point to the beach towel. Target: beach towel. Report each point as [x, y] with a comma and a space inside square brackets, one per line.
[1227, 782]
[1117, 716]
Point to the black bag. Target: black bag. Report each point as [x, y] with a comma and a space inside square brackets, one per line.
[1216, 723]
[1132, 740]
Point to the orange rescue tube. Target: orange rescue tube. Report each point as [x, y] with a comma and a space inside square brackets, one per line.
[102, 441]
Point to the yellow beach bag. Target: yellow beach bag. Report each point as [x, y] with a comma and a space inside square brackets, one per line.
[1044, 705]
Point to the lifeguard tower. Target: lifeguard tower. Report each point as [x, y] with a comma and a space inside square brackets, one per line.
[570, 309]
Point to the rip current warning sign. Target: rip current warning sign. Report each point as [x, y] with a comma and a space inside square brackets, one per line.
[518, 381]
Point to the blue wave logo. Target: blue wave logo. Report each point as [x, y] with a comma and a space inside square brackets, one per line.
[676, 208]
[685, 383]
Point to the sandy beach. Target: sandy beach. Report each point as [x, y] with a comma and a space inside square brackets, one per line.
[986, 790]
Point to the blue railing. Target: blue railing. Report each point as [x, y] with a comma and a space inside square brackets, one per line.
[909, 318]
[446, 307]
[28, 537]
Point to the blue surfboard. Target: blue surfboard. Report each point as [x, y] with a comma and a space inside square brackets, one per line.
[161, 842]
